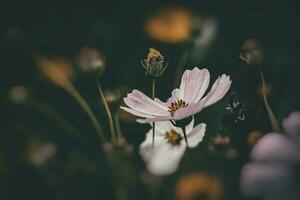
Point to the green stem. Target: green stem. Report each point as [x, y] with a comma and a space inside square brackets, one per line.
[118, 127]
[84, 105]
[274, 122]
[153, 96]
[47, 110]
[110, 120]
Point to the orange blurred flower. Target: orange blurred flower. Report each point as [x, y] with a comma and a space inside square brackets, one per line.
[199, 184]
[57, 70]
[170, 25]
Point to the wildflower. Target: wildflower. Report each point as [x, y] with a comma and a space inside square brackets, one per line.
[276, 159]
[90, 60]
[154, 64]
[184, 102]
[163, 157]
[251, 52]
[57, 70]
[199, 184]
[171, 25]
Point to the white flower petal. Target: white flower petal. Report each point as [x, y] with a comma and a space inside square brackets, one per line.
[140, 102]
[218, 90]
[136, 113]
[165, 159]
[146, 146]
[196, 135]
[193, 84]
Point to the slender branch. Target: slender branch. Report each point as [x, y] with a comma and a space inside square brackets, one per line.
[153, 96]
[118, 127]
[184, 134]
[56, 117]
[274, 122]
[84, 105]
[110, 120]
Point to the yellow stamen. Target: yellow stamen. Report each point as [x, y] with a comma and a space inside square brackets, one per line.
[173, 137]
[176, 105]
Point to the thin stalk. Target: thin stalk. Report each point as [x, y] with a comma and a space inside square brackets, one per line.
[184, 134]
[118, 127]
[109, 115]
[47, 110]
[153, 96]
[273, 120]
[84, 105]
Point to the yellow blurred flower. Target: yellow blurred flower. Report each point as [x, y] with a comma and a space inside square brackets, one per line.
[57, 70]
[38, 153]
[19, 94]
[170, 25]
[199, 184]
[253, 137]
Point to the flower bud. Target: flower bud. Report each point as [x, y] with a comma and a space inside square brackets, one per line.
[251, 52]
[90, 60]
[57, 70]
[154, 64]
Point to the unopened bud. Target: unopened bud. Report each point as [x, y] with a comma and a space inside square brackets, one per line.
[251, 52]
[154, 63]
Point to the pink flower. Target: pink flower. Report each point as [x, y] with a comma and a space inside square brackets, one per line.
[186, 101]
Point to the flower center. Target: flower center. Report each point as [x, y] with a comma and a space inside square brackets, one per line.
[176, 105]
[173, 137]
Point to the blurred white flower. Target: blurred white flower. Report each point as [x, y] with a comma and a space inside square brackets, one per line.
[186, 101]
[163, 157]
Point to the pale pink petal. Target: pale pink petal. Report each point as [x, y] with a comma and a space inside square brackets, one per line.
[275, 147]
[265, 178]
[154, 119]
[140, 102]
[193, 84]
[218, 90]
[136, 113]
[196, 135]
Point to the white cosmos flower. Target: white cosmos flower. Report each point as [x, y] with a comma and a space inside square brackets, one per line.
[186, 101]
[163, 157]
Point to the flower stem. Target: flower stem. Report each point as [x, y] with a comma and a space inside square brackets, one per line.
[184, 134]
[84, 105]
[118, 127]
[53, 115]
[153, 96]
[109, 115]
[274, 122]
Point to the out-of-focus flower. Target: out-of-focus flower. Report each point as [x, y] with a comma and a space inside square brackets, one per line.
[57, 70]
[199, 185]
[163, 157]
[38, 153]
[19, 94]
[276, 159]
[253, 137]
[221, 141]
[171, 25]
[205, 32]
[154, 63]
[251, 52]
[90, 60]
[184, 102]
